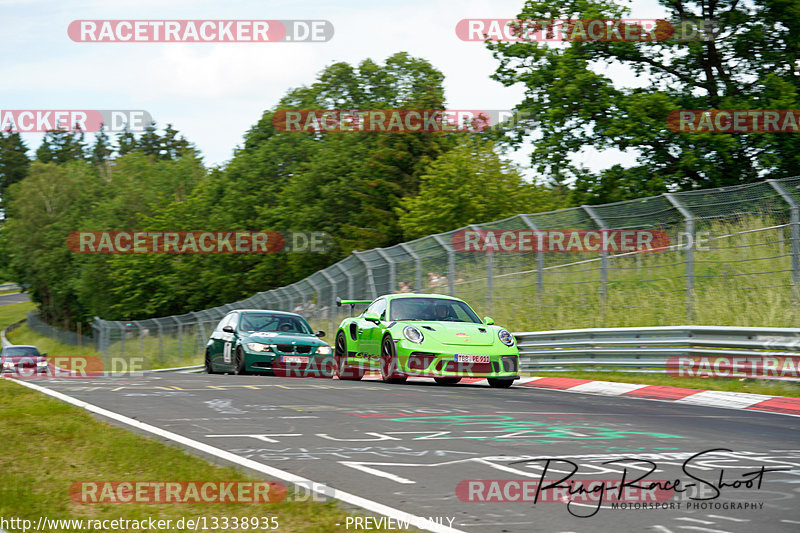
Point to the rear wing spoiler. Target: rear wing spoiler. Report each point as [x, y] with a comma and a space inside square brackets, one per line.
[351, 303]
[340, 302]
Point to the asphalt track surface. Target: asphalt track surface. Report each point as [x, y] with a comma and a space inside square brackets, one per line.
[408, 446]
[13, 298]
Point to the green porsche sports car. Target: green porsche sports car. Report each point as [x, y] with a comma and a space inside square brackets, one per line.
[425, 335]
[252, 340]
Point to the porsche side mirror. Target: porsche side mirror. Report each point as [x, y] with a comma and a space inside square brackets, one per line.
[488, 320]
[320, 333]
[229, 329]
[372, 317]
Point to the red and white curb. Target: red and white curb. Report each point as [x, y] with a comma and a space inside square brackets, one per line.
[709, 398]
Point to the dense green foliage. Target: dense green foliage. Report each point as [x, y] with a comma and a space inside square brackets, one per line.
[574, 98]
[372, 190]
[357, 187]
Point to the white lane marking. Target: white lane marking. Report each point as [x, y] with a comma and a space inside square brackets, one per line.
[369, 505]
[706, 522]
[298, 417]
[607, 387]
[705, 529]
[265, 438]
[737, 400]
[732, 519]
[662, 529]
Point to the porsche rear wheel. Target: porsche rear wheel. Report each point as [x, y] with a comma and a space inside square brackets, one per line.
[447, 381]
[390, 372]
[342, 369]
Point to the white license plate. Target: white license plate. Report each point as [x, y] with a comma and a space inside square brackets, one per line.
[462, 358]
[293, 359]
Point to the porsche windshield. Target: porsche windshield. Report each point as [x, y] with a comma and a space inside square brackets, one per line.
[433, 309]
[274, 323]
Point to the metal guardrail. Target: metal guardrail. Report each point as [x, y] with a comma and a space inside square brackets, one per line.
[649, 348]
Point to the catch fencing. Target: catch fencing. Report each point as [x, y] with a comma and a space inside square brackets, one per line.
[732, 259]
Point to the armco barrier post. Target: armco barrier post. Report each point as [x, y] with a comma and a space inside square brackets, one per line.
[794, 221]
[689, 218]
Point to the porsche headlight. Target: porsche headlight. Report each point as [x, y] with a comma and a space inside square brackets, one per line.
[506, 337]
[324, 350]
[413, 334]
[258, 347]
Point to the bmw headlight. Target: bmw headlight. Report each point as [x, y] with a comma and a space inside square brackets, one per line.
[506, 337]
[413, 334]
[258, 347]
[41, 363]
[324, 350]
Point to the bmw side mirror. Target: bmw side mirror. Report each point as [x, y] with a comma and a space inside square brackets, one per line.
[320, 333]
[229, 329]
[488, 320]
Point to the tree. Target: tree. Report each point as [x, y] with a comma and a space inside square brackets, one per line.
[750, 64]
[101, 150]
[14, 162]
[126, 141]
[467, 185]
[61, 146]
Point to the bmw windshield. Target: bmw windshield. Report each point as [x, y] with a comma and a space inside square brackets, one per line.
[269, 322]
[432, 309]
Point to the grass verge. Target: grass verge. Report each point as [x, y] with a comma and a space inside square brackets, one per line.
[48, 445]
[753, 386]
[14, 313]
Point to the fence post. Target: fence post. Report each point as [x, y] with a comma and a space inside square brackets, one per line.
[370, 279]
[349, 276]
[417, 266]
[689, 219]
[180, 336]
[102, 335]
[603, 257]
[489, 274]
[539, 256]
[451, 263]
[318, 293]
[392, 272]
[794, 214]
[332, 303]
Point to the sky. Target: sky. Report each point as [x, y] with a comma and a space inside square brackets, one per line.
[214, 92]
